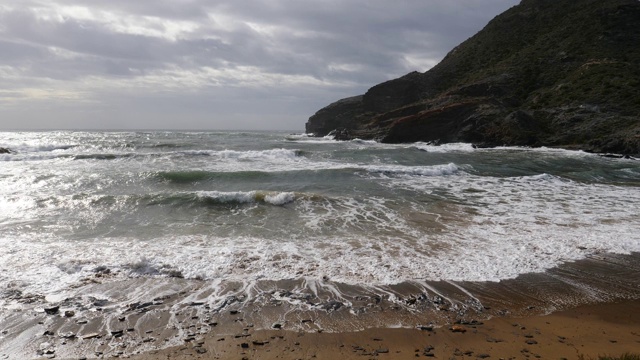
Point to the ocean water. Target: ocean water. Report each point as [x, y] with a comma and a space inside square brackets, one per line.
[245, 207]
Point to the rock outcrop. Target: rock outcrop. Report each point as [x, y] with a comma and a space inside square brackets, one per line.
[559, 73]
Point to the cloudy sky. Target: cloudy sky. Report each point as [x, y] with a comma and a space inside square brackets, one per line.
[207, 64]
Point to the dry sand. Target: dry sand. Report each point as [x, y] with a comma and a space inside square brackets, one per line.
[590, 330]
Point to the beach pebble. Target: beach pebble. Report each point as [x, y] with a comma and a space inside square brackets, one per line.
[332, 305]
[69, 313]
[52, 310]
[457, 328]
[67, 335]
[428, 351]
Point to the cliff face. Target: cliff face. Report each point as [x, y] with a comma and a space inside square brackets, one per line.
[562, 73]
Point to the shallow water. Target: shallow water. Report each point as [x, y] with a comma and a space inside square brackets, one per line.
[262, 217]
[246, 206]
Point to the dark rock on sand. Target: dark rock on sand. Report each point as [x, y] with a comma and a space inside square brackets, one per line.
[558, 73]
[332, 305]
[52, 310]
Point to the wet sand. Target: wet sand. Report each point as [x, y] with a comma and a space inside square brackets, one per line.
[591, 330]
[589, 307]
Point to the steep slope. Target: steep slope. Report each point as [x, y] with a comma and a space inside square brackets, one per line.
[562, 73]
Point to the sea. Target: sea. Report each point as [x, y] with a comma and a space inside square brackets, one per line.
[250, 207]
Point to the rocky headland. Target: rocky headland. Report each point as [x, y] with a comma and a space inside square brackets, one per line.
[557, 73]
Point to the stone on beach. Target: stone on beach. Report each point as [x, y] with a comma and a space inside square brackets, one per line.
[52, 310]
[458, 328]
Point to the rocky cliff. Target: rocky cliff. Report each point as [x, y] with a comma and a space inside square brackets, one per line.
[560, 73]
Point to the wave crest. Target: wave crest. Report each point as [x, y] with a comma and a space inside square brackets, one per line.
[243, 197]
[435, 170]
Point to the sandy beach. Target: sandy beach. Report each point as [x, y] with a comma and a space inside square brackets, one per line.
[585, 308]
[589, 331]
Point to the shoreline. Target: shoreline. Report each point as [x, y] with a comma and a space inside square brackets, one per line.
[611, 329]
[148, 318]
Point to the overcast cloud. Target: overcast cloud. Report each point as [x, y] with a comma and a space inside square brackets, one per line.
[203, 64]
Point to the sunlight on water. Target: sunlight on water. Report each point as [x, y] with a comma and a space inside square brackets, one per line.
[290, 206]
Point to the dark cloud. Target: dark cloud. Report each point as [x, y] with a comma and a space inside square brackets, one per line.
[262, 64]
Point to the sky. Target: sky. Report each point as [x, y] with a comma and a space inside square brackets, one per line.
[213, 65]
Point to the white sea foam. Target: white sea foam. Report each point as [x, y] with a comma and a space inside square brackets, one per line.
[299, 136]
[313, 140]
[273, 198]
[280, 198]
[444, 148]
[262, 154]
[35, 147]
[381, 223]
[467, 148]
[434, 170]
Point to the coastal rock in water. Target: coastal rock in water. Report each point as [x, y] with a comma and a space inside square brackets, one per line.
[5, 151]
[341, 134]
[553, 73]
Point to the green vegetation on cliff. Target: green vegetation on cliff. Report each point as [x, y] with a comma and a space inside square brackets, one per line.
[560, 73]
